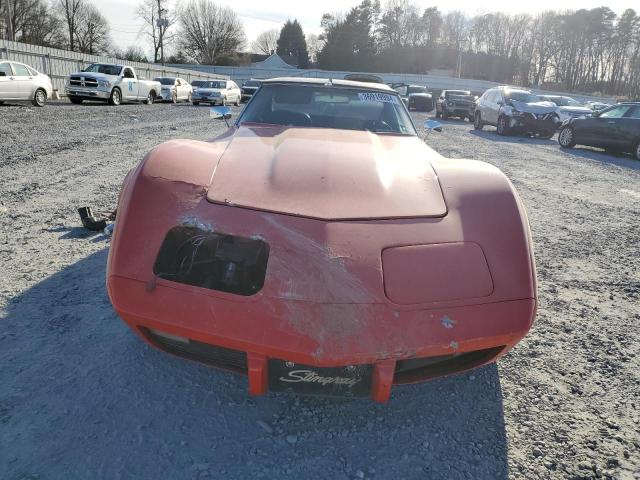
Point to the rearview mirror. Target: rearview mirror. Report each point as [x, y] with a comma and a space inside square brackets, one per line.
[220, 113]
[433, 125]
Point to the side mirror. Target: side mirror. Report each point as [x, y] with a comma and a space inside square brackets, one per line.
[220, 113]
[500, 102]
[433, 125]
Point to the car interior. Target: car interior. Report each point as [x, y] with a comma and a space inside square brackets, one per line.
[320, 107]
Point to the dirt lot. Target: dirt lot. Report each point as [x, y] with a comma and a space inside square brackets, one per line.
[81, 397]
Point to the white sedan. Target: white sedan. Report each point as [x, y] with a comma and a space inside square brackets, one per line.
[174, 89]
[216, 92]
[20, 82]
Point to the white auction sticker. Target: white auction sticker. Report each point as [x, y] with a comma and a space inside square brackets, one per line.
[377, 97]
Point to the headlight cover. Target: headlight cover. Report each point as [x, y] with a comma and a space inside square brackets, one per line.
[104, 84]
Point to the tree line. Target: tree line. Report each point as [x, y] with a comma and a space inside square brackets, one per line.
[589, 50]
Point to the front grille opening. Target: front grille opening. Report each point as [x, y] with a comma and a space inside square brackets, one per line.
[220, 357]
[418, 369]
[216, 261]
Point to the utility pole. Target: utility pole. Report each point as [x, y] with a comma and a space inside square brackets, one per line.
[11, 35]
[162, 24]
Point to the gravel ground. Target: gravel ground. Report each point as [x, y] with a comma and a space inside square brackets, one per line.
[81, 397]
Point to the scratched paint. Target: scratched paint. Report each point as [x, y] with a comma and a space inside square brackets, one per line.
[447, 322]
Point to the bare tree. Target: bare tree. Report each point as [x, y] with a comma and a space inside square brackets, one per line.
[267, 42]
[92, 31]
[314, 46]
[208, 31]
[29, 21]
[158, 20]
[131, 54]
[71, 10]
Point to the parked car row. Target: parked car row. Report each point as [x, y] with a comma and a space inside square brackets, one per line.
[116, 84]
[612, 127]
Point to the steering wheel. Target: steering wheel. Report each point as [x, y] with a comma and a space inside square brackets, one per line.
[378, 126]
[291, 118]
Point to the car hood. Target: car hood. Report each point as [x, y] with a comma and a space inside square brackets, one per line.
[534, 107]
[208, 90]
[583, 110]
[95, 76]
[461, 98]
[328, 174]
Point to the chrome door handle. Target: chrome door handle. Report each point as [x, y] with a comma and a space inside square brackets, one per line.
[11, 78]
[611, 122]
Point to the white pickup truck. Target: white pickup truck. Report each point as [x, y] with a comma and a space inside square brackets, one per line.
[112, 83]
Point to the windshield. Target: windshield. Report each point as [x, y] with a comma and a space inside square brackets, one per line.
[251, 83]
[453, 93]
[565, 102]
[165, 81]
[101, 68]
[208, 84]
[416, 89]
[329, 107]
[525, 97]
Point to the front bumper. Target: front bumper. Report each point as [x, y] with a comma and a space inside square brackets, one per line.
[207, 99]
[165, 95]
[535, 123]
[87, 93]
[459, 111]
[248, 338]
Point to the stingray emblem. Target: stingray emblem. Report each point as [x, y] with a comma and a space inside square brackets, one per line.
[309, 376]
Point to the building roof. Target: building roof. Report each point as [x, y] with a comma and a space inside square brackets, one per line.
[272, 61]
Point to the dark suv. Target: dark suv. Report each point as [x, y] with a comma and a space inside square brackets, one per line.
[249, 87]
[514, 110]
[455, 103]
[415, 97]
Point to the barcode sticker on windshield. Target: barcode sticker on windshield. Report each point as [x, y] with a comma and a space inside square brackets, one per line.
[377, 97]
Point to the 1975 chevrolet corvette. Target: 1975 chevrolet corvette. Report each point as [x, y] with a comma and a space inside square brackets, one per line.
[320, 247]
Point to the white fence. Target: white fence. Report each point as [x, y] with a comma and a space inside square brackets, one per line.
[60, 63]
[434, 82]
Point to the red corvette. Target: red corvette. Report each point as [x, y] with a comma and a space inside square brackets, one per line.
[320, 247]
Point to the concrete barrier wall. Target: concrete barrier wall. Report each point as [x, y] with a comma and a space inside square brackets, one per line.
[58, 64]
[434, 82]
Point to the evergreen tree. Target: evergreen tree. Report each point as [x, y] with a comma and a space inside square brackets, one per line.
[292, 43]
[350, 42]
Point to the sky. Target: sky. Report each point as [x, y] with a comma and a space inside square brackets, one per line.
[260, 15]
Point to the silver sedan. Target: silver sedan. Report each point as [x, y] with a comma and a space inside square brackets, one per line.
[20, 82]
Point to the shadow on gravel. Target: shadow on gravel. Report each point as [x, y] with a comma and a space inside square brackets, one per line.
[82, 397]
[618, 159]
[493, 135]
